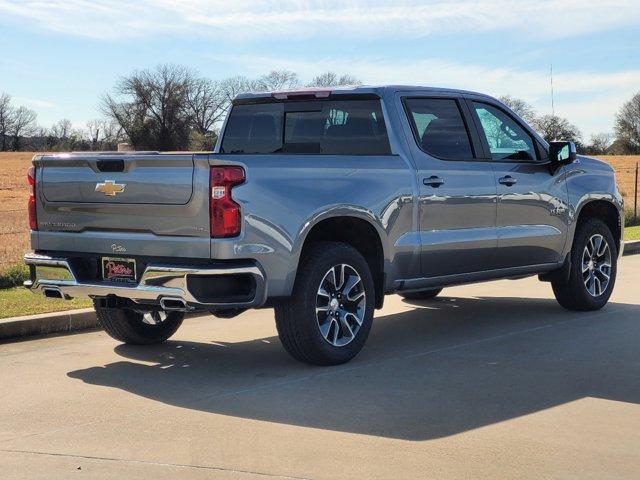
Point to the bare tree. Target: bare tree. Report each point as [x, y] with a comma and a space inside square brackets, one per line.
[276, 80]
[331, 79]
[621, 147]
[600, 143]
[205, 100]
[23, 124]
[523, 109]
[207, 104]
[627, 126]
[234, 85]
[6, 118]
[61, 130]
[169, 107]
[553, 127]
[104, 134]
[151, 107]
[63, 136]
[112, 134]
[94, 129]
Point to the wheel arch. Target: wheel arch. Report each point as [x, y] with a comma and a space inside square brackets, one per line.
[605, 209]
[356, 227]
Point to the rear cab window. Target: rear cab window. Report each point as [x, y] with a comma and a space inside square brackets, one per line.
[328, 127]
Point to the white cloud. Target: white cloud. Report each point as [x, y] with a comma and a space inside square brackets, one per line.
[34, 102]
[114, 19]
[589, 99]
[527, 83]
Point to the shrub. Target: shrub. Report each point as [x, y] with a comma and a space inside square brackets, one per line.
[629, 221]
[14, 276]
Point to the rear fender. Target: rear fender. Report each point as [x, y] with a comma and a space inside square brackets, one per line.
[336, 211]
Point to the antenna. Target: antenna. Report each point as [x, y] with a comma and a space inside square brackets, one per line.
[553, 110]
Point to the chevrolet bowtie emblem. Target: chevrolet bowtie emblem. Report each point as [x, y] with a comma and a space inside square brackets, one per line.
[110, 188]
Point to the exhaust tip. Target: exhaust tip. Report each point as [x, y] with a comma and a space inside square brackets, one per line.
[173, 304]
[52, 293]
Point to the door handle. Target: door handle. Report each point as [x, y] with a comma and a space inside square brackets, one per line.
[433, 181]
[507, 180]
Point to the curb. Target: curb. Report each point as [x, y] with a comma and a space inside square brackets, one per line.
[631, 248]
[46, 323]
[52, 323]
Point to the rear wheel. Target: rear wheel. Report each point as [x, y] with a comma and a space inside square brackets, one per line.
[593, 268]
[327, 319]
[422, 294]
[137, 328]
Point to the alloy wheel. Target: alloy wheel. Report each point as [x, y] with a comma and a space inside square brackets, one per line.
[596, 265]
[154, 317]
[340, 305]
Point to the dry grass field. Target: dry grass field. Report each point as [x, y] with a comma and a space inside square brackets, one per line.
[14, 237]
[14, 224]
[625, 167]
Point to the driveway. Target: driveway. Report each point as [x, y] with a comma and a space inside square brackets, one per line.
[488, 381]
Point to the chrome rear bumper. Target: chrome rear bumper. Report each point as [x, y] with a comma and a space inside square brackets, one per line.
[159, 283]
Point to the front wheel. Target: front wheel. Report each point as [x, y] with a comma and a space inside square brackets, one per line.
[137, 328]
[327, 319]
[593, 269]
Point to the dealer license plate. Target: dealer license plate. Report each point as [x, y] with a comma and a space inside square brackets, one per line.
[119, 269]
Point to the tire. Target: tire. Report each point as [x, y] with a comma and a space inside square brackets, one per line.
[320, 337]
[579, 292]
[129, 326]
[422, 294]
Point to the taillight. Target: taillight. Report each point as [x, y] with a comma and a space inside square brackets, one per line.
[31, 178]
[224, 212]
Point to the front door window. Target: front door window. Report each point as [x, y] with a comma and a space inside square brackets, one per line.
[506, 138]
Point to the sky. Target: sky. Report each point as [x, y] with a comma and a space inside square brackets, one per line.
[59, 57]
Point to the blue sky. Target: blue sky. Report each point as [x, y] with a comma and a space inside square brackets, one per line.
[58, 57]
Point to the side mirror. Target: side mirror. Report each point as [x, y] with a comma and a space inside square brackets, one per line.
[562, 153]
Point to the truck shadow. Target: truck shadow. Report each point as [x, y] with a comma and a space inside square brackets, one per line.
[444, 367]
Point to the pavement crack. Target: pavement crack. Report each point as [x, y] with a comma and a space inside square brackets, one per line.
[161, 464]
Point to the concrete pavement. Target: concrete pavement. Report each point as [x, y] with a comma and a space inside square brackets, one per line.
[490, 381]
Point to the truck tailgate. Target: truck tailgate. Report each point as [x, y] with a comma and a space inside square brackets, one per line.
[141, 204]
[163, 179]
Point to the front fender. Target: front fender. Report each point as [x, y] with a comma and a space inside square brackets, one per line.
[586, 185]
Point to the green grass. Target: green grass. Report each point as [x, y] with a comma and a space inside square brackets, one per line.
[632, 233]
[15, 302]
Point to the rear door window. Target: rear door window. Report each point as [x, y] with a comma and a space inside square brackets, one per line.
[329, 127]
[439, 127]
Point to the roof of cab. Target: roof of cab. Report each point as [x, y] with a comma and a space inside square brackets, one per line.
[358, 90]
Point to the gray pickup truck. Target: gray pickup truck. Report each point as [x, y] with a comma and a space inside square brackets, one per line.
[318, 203]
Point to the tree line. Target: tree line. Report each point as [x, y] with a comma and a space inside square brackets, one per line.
[19, 131]
[172, 107]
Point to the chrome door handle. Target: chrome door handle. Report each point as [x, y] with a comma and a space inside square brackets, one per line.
[507, 180]
[433, 181]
